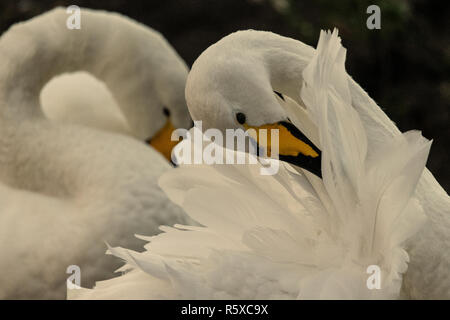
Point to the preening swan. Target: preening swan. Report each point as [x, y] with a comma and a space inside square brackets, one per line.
[293, 235]
[139, 67]
[249, 65]
[66, 189]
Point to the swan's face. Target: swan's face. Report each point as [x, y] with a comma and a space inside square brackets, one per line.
[175, 112]
[231, 94]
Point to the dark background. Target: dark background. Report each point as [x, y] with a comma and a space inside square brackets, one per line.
[404, 66]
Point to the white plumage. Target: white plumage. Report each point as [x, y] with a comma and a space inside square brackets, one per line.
[66, 189]
[293, 235]
[79, 98]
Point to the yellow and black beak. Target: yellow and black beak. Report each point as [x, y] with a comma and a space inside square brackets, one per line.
[294, 146]
[162, 140]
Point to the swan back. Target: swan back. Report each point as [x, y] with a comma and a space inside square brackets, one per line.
[80, 98]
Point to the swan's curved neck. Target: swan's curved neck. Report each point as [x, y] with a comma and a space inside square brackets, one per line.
[283, 58]
[286, 66]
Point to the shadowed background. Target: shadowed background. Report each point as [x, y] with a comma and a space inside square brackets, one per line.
[404, 66]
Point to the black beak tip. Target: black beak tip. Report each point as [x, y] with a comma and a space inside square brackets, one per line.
[313, 165]
[316, 171]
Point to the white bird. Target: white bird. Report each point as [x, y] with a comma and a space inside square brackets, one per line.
[293, 235]
[66, 189]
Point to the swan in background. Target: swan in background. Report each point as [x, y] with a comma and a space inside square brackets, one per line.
[133, 99]
[294, 235]
[66, 189]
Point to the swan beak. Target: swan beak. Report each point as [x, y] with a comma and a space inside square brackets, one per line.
[162, 140]
[294, 147]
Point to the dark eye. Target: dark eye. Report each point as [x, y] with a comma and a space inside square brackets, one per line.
[240, 117]
[166, 112]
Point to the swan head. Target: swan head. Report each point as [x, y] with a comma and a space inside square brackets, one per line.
[172, 111]
[229, 91]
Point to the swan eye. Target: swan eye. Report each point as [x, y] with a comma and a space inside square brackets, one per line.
[166, 112]
[240, 117]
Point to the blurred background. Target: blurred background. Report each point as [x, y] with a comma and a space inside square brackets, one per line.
[404, 66]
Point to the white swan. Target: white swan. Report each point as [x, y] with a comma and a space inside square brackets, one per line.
[65, 189]
[293, 235]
